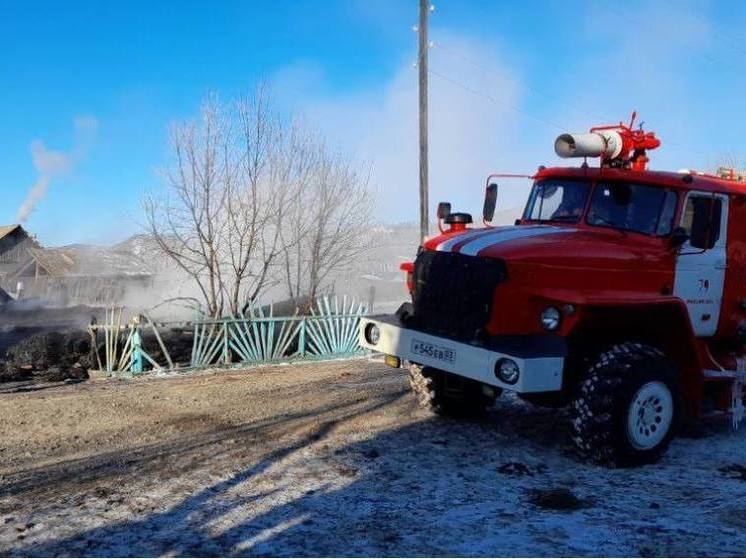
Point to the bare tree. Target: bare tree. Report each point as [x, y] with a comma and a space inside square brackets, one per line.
[219, 220]
[186, 223]
[251, 201]
[257, 202]
[332, 223]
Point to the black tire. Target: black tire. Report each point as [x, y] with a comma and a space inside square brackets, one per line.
[447, 394]
[621, 408]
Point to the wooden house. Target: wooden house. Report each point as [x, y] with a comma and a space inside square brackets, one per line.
[14, 245]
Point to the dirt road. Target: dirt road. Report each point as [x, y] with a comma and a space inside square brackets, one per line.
[336, 459]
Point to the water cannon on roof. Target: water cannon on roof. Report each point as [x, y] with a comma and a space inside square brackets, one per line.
[617, 145]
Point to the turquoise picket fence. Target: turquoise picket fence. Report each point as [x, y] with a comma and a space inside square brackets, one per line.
[330, 330]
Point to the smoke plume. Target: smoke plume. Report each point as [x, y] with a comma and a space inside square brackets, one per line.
[50, 164]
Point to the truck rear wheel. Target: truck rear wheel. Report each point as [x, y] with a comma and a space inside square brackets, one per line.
[627, 406]
[448, 394]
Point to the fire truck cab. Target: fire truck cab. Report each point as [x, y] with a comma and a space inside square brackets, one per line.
[621, 293]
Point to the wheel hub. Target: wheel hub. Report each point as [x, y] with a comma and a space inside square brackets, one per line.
[650, 415]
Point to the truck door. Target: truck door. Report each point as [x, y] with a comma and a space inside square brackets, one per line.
[701, 262]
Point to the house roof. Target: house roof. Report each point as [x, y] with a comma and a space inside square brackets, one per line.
[6, 230]
[82, 260]
[55, 261]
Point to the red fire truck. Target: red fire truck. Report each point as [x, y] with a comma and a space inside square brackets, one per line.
[621, 293]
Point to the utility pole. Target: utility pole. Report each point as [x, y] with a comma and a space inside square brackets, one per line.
[422, 65]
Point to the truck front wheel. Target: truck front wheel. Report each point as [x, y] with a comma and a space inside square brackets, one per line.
[627, 406]
[448, 394]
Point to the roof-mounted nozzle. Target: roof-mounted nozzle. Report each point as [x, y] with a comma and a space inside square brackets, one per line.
[593, 144]
[617, 146]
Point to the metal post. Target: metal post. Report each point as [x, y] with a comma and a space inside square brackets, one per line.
[302, 338]
[193, 361]
[422, 65]
[226, 349]
[136, 364]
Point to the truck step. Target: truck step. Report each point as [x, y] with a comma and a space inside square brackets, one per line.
[712, 374]
[737, 409]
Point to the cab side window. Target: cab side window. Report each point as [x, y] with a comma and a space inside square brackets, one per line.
[701, 220]
[667, 214]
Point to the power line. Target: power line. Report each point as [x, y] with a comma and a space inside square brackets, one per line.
[577, 109]
[531, 88]
[708, 58]
[684, 147]
[496, 101]
[644, 23]
[502, 103]
[725, 39]
[534, 89]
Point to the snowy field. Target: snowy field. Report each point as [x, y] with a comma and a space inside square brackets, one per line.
[337, 459]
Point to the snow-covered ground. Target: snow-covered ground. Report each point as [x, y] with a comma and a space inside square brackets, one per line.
[336, 459]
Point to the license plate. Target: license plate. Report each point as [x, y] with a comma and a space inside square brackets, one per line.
[433, 351]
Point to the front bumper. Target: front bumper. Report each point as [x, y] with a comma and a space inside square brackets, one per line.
[540, 358]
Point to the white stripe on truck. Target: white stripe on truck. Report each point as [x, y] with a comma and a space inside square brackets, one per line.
[473, 247]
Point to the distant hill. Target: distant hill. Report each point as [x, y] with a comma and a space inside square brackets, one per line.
[392, 245]
[508, 216]
[375, 275]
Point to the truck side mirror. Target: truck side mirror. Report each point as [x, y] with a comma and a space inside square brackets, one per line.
[490, 202]
[678, 237]
[444, 210]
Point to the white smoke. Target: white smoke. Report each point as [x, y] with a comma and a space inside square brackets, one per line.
[50, 164]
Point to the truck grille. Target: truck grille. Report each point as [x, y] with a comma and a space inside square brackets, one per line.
[453, 293]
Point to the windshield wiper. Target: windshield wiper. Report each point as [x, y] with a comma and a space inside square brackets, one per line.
[597, 220]
[564, 218]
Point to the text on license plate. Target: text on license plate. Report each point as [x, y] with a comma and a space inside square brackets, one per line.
[433, 351]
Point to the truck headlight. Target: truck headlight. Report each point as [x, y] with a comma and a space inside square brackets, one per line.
[372, 334]
[550, 318]
[507, 371]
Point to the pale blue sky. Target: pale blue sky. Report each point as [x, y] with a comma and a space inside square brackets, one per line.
[507, 78]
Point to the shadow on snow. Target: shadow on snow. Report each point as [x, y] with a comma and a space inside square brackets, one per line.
[431, 488]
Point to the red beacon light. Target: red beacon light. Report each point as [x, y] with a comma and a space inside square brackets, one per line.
[617, 146]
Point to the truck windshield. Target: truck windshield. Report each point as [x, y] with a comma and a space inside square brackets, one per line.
[557, 200]
[633, 207]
